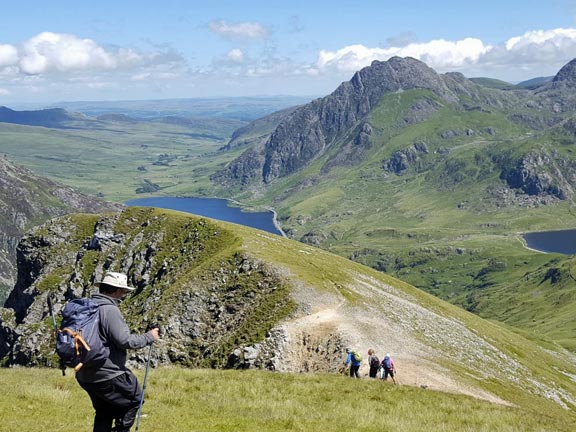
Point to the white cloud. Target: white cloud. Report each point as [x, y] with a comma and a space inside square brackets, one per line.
[558, 45]
[543, 51]
[4, 92]
[539, 38]
[437, 54]
[47, 52]
[235, 56]
[244, 30]
[8, 55]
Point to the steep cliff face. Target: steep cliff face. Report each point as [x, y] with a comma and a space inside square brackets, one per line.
[312, 129]
[348, 127]
[542, 174]
[27, 200]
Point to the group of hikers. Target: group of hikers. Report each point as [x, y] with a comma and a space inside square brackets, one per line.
[378, 369]
[115, 393]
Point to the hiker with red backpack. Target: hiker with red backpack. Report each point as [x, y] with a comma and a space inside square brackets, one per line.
[355, 360]
[388, 368]
[114, 390]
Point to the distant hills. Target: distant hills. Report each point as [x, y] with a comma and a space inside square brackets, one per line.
[188, 112]
[238, 108]
[53, 117]
[535, 82]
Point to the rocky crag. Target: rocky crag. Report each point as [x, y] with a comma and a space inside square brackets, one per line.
[206, 296]
[27, 200]
[343, 130]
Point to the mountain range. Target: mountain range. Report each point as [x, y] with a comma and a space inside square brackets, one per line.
[428, 177]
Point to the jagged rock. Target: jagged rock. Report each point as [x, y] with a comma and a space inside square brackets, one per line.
[29, 199]
[538, 174]
[308, 131]
[200, 306]
[404, 159]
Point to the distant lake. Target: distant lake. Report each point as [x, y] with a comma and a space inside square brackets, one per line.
[213, 208]
[563, 241]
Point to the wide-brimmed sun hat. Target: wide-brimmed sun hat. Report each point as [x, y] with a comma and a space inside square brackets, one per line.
[118, 280]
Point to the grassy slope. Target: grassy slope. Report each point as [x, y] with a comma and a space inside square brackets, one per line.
[227, 400]
[435, 226]
[321, 269]
[203, 400]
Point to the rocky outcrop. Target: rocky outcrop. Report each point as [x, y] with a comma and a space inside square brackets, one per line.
[541, 174]
[26, 200]
[404, 159]
[566, 76]
[258, 131]
[209, 298]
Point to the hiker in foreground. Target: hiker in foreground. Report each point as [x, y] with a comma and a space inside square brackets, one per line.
[374, 363]
[112, 387]
[388, 368]
[355, 360]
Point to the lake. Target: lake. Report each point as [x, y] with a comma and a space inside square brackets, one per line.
[213, 208]
[563, 241]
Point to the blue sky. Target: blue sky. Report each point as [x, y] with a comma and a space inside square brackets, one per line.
[118, 50]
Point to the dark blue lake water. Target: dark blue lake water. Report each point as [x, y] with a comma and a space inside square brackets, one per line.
[212, 208]
[563, 241]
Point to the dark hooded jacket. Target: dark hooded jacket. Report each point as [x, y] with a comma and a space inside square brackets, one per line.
[116, 335]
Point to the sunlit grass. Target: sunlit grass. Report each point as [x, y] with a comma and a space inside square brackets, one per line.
[183, 400]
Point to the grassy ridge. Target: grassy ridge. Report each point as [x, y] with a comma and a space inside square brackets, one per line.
[531, 364]
[205, 400]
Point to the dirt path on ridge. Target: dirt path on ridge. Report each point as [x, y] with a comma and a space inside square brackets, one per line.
[328, 324]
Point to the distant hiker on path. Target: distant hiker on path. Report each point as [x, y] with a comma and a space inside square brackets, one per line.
[374, 363]
[388, 368]
[112, 387]
[355, 360]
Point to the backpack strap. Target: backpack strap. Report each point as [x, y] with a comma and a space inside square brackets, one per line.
[78, 340]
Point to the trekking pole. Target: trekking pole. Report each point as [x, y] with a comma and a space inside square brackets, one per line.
[51, 309]
[145, 382]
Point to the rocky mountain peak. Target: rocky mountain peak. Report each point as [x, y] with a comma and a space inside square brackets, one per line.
[398, 74]
[566, 76]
